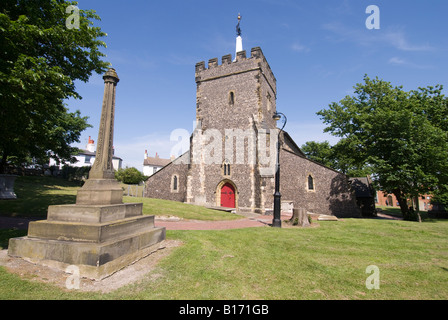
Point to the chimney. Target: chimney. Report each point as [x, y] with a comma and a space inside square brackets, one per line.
[146, 154]
[90, 145]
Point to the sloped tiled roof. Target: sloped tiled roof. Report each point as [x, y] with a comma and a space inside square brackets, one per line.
[159, 162]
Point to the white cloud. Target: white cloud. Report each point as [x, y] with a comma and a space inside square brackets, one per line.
[397, 61]
[299, 47]
[402, 62]
[395, 38]
[399, 41]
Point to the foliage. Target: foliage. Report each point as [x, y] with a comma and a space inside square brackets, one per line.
[319, 151]
[335, 157]
[39, 62]
[401, 136]
[129, 176]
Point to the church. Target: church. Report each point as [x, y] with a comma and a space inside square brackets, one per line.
[233, 155]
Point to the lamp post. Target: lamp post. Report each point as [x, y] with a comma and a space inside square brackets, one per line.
[277, 222]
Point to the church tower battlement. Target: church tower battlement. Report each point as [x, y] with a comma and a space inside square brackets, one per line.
[236, 94]
[257, 61]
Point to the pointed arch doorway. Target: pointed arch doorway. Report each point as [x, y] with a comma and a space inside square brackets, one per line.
[226, 194]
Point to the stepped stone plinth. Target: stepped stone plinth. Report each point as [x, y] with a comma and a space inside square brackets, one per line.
[99, 234]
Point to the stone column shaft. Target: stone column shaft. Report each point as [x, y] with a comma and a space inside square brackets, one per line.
[102, 167]
[102, 188]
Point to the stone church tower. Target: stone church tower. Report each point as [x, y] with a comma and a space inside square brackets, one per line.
[235, 102]
[232, 157]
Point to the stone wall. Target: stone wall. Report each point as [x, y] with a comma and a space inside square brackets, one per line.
[160, 184]
[331, 194]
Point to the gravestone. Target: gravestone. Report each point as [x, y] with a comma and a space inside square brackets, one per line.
[7, 187]
[99, 233]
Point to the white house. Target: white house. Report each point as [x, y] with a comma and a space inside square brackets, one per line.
[152, 165]
[87, 157]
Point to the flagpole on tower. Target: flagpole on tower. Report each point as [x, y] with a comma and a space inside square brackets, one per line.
[239, 40]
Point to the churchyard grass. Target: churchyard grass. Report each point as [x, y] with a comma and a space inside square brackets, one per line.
[35, 194]
[327, 261]
[324, 262]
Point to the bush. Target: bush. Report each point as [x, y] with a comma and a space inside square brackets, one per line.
[129, 176]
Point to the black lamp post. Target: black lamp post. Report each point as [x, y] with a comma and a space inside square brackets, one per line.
[277, 222]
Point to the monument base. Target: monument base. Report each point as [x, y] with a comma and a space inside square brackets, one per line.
[100, 192]
[99, 240]
[95, 261]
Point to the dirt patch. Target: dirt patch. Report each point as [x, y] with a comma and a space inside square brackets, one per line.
[132, 273]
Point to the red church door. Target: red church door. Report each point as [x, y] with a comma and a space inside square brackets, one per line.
[228, 196]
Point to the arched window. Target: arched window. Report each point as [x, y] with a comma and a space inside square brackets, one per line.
[310, 183]
[175, 183]
[268, 98]
[226, 168]
[231, 98]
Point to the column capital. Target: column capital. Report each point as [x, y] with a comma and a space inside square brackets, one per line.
[111, 76]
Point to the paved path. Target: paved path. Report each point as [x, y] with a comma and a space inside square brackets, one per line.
[248, 222]
[254, 220]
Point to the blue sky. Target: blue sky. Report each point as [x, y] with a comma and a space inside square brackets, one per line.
[318, 50]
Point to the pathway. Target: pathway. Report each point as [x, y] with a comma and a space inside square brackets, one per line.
[252, 220]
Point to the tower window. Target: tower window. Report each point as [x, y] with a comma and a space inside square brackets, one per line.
[226, 168]
[231, 98]
[268, 97]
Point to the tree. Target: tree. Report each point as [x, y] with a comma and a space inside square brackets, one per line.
[401, 136]
[129, 176]
[318, 151]
[39, 61]
[336, 157]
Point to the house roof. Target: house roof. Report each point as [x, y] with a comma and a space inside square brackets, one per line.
[159, 162]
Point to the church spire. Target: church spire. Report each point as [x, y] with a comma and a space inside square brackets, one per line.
[239, 40]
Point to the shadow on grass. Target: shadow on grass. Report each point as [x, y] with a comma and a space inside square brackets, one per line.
[6, 234]
[35, 194]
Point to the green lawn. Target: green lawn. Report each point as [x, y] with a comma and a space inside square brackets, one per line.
[324, 262]
[35, 194]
